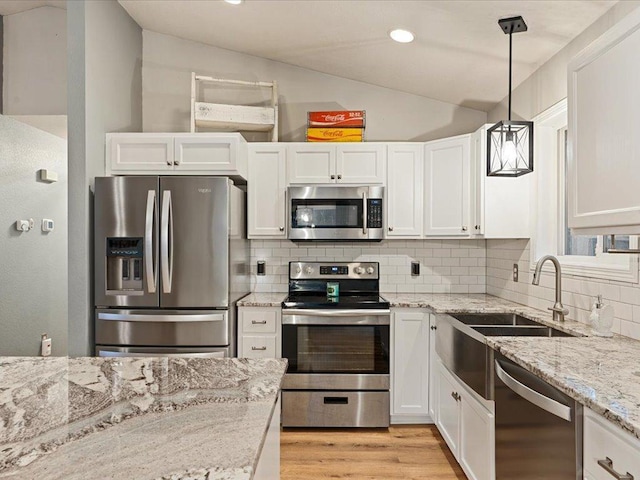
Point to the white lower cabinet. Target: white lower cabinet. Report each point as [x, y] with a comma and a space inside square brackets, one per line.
[617, 451]
[268, 467]
[410, 366]
[467, 426]
[259, 332]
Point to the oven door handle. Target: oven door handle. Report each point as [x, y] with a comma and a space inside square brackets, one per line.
[335, 313]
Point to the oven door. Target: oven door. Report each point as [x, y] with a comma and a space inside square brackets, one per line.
[336, 349]
[335, 213]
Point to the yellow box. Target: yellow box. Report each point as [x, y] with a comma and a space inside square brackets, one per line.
[335, 134]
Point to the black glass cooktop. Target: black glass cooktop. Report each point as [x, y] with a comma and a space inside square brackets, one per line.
[342, 301]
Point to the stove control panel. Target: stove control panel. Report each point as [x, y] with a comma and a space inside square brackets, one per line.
[335, 270]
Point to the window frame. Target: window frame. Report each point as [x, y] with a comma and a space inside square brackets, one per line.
[549, 216]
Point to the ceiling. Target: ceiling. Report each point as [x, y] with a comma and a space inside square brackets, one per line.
[9, 7]
[460, 55]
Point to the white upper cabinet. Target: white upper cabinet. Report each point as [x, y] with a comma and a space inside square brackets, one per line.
[176, 154]
[404, 192]
[266, 190]
[136, 152]
[361, 163]
[604, 145]
[354, 163]
[499, 205]
[447, 186]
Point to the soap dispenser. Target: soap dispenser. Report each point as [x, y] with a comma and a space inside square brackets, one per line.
[602, 318]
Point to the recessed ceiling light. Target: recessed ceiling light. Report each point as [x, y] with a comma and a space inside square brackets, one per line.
[234, 2]
[401, 35]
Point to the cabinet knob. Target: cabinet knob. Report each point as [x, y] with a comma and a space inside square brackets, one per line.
[456, 396]
[339, 177]
[477, 227]
[433, 327]
[333, 177]
[169, 162]
[391, 229]
[282, 229]
[176, 162]
[464, 229]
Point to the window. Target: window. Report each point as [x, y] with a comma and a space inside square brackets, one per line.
[579, 245]
[581, 255]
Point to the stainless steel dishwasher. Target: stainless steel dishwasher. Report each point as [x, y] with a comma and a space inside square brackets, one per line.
[538, 429]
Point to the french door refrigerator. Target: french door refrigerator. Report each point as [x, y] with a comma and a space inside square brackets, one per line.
[171, 260]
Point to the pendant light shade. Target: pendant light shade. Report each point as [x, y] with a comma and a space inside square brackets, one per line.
[510, 143]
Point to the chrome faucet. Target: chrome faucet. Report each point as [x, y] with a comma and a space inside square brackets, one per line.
[558, 309]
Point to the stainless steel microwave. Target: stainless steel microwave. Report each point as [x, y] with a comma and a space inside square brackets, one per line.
[335, 213]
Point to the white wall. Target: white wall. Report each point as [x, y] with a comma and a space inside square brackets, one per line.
[33, 272]
[35, 62]
[105, 95]
[391, 115]
[446, 266]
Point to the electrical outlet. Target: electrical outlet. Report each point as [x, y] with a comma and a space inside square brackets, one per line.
[415, 269]
[515, 272]
[262, 267]
[45, 345]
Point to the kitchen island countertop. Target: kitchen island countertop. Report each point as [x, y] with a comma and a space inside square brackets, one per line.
[143, 418]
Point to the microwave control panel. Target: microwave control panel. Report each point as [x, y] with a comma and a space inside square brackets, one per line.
[374, 213]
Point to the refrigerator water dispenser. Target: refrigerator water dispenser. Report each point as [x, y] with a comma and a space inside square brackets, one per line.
[124, 265]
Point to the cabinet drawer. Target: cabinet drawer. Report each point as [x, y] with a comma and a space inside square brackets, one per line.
[260, 321]
[259, 346]
[604, 440]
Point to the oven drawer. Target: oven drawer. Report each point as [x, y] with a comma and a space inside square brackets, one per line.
[259, 321]
[335, 409]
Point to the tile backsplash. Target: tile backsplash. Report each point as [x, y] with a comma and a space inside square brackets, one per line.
[578, 293]
[446, 266]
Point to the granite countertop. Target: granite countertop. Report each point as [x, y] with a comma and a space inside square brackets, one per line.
[142, 418]
[601, 373]
[262, 300]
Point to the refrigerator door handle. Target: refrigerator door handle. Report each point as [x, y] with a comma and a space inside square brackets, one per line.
[109, 353]
[166, 242]
[152, 317]
[149, 254]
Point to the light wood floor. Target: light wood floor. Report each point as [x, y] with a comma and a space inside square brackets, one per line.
[415, 452]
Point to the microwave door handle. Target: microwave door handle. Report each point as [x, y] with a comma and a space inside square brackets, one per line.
[149, 254]
[364, 213]
[166, 242]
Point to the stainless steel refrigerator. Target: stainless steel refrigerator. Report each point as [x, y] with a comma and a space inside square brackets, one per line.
[171, 260]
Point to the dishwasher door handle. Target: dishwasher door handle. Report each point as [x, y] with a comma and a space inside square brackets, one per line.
[548, 404]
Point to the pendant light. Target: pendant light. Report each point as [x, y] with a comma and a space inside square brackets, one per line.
[510, 143]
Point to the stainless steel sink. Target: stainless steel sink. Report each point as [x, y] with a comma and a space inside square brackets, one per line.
[493, 319]
[520, 331]
[461, 345]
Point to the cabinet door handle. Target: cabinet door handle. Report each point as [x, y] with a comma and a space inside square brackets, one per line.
[258, 348]
[477, 227]
[464, 229]
[176, 162]
[282, 229]
[607, 464]
[391, 229]
[456, 396]
[258, 322]
[169, 162]
[333, 177]
[339, 177]
[433, 327]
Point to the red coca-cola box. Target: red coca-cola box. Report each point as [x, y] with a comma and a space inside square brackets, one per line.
[337, 119]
